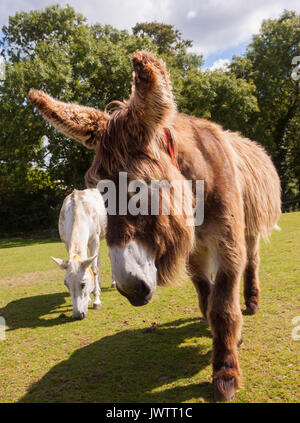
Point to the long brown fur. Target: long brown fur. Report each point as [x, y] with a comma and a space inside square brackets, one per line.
[83, 124]
[241, 199]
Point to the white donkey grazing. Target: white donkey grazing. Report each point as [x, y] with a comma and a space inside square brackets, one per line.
[82, 224]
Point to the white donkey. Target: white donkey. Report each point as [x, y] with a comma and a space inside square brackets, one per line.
[82, 224]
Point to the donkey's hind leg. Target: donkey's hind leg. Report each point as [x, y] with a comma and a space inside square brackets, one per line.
[251, 279]
[200, 266]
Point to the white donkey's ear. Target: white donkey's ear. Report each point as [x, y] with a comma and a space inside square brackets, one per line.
[63, 264]
[86, 263]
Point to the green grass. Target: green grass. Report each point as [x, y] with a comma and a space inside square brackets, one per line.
[158, 353]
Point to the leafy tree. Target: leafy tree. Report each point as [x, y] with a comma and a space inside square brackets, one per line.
[166, 37]
[26, 29]
[221, 97]
[56, 51]
[292, 159]
[268, 64]
[80, 67]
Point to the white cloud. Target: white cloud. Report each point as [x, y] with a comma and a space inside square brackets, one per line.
[220, 25]
[213, 25]
[220, 64]
[191, 14]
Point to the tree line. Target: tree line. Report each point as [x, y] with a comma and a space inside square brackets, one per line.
[56, 50]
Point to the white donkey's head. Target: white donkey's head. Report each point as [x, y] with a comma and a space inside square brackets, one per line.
[80, 282]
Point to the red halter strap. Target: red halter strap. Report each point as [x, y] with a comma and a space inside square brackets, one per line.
[169, 143]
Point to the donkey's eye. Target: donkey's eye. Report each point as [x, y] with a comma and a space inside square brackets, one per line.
[82, 285]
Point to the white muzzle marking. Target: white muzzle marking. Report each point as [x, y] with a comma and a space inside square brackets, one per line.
[135, 272]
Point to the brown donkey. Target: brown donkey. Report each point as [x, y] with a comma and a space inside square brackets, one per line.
[241, 202]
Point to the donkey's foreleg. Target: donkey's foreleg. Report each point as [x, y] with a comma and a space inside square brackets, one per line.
[94, 249]
[225, 318]
[97, 290]
[251, 279]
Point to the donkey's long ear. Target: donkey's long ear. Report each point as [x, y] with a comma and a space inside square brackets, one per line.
[83, 124]
[63, 264]
[151, 104]
[87, 262]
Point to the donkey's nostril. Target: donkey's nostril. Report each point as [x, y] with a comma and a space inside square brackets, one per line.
[144, 289]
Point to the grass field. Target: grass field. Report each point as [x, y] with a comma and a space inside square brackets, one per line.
[157, 353]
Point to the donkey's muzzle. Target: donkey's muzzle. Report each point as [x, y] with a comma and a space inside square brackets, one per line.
[79, 316]
[140, 296]
[134, 270]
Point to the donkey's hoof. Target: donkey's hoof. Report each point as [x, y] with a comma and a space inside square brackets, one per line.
[97, 306]
[224, 389]
[251, 308]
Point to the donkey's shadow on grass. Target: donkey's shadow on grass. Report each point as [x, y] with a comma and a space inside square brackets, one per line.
[131, 366]
[28, 312]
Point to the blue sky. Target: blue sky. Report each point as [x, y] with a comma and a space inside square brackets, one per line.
[219, 29]
[224, 55]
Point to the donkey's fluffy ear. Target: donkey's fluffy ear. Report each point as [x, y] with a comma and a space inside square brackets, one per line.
[86, 263]
[63, 264]
[151, 102]
[83, 124]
